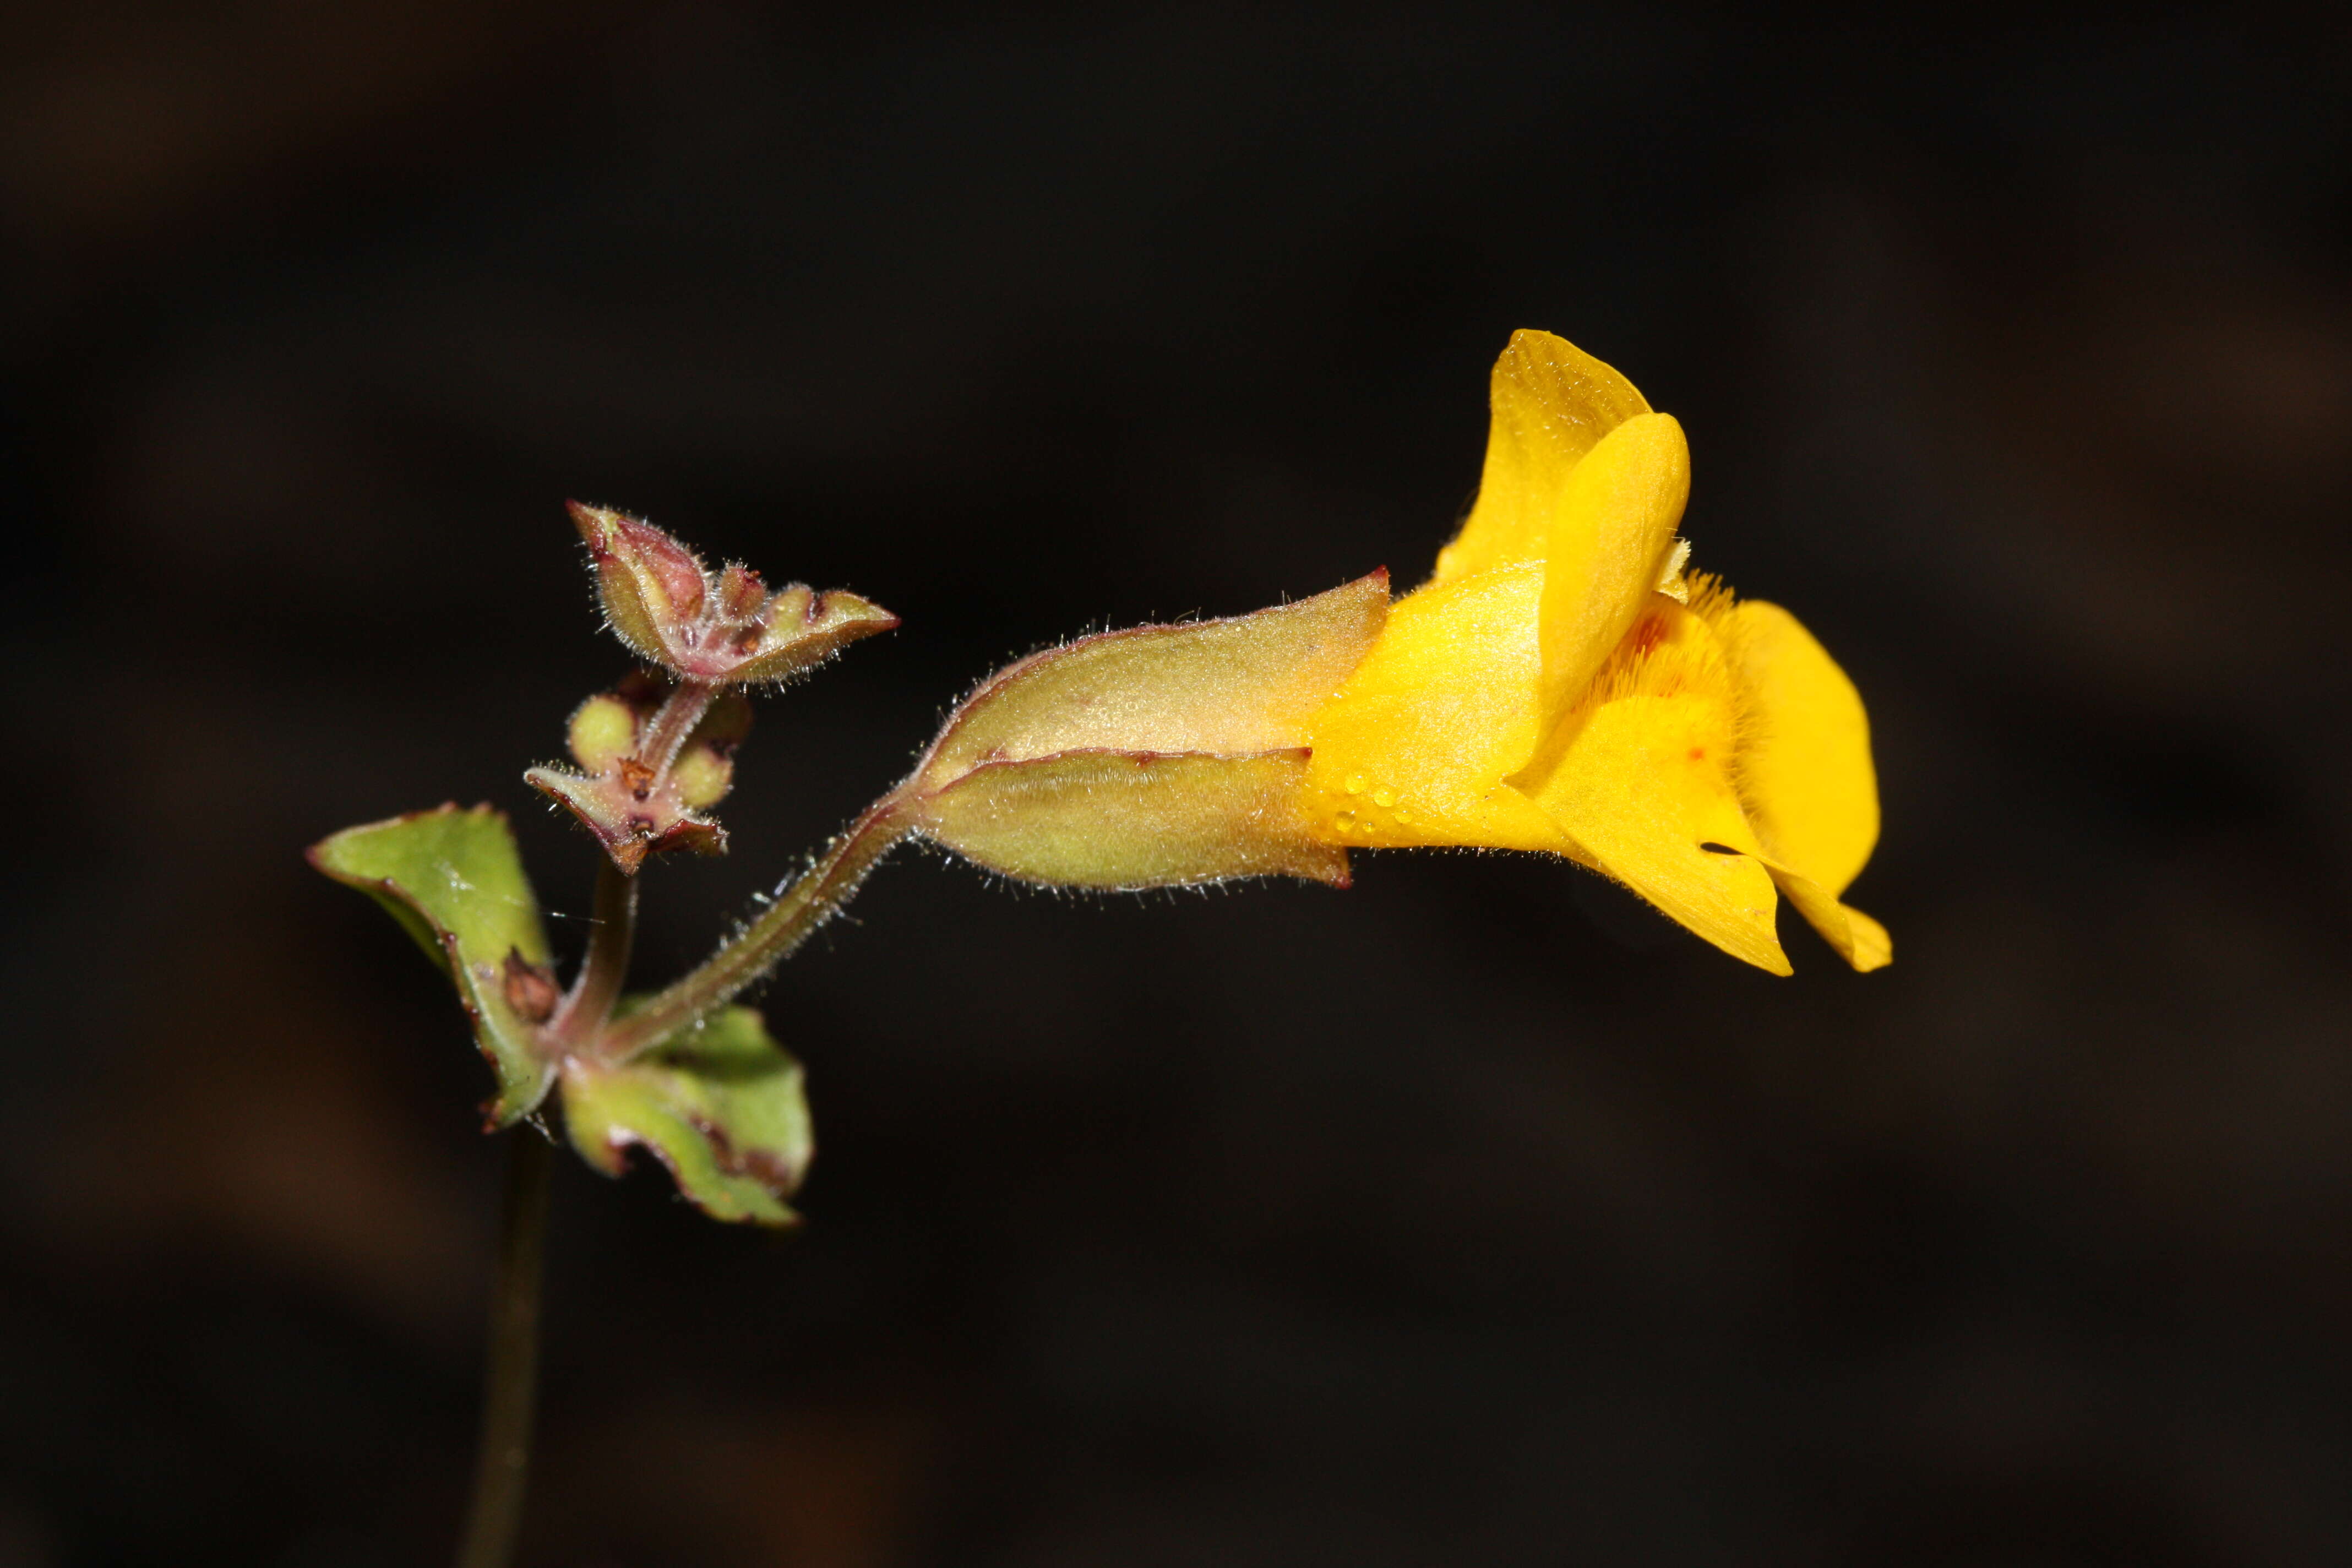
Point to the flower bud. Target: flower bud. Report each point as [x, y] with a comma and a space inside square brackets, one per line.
[603, 730]
[727, 629]
[635, 807]
[1154, 757]
[703, 777]
[705, 768]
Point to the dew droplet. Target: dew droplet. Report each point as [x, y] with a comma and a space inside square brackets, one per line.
[1344, 821]
[1355, 783]
[1384, 798]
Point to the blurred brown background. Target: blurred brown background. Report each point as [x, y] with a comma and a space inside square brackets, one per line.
[1472, 1216]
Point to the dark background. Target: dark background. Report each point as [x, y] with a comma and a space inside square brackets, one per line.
[1476, 1216]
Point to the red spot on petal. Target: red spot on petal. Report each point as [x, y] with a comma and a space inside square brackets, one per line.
[1698, 753]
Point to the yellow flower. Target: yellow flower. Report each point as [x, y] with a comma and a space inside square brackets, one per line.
[1562, 684]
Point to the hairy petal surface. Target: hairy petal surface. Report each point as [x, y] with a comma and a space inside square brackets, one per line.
[1641, 778]
[1640, 792]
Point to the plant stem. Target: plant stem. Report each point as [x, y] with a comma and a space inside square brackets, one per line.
[766, 942]
[612, 932]
[673, 722]
[510, 1385]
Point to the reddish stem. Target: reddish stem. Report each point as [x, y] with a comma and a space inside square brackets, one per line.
[673, 722]
[588, 1006]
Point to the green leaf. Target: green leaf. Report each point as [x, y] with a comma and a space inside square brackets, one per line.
[454, 880]
[719, 1103]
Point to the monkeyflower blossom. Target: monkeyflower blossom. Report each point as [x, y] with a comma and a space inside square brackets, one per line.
[1563, 684]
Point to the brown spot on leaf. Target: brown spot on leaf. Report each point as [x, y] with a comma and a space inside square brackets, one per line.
[764, 1166]
[530, 988]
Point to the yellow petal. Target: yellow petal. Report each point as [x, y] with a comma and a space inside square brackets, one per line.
[1551, 402]
[1643, 789]
[1859, 939]
[1609, 543]
[1414, 748]
[1640, 779]
[1804, 761]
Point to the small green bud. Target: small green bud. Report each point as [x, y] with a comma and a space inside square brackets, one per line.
[603, 731]
[702, 777]
[634, 805]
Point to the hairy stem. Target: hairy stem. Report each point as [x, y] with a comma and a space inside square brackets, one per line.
[612, 930]
[509, 1386]
[768, 940]
[673, 722]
